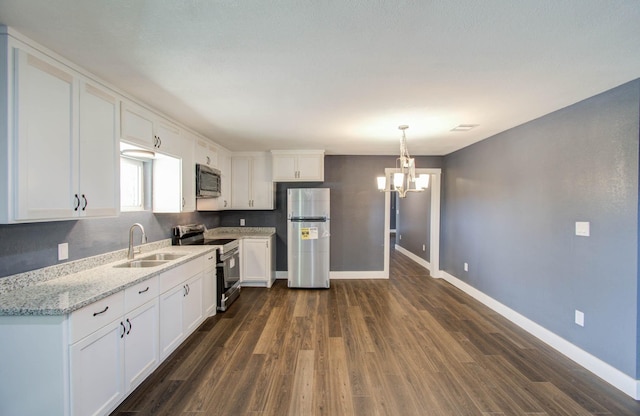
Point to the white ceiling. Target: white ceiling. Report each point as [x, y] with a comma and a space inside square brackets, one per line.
[342, 75]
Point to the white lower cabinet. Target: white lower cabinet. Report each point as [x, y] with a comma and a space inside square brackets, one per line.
[113, 360]
[141, 344]
[87, 362]
[171, 321]
[181, 304]
[257, 265]
[209, 285]
[97, 371]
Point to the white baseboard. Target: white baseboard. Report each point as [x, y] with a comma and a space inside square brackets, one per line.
[376, 274]
[413, 257]
[611, 375]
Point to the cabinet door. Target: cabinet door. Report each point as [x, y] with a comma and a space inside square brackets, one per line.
[311, 167]
[46, 170]
[99, 153]
[97, 371]
[188, 174]
[171, 320]
[207, 153]
[141, 343]
[224, 200]
[284, 168]
[209, 286]
[136, 126]
[240, 182]
[192, 306]
[167, 138]
[261, 183]
[255, 260]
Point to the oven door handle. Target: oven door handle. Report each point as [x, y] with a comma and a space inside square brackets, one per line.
[227, 255]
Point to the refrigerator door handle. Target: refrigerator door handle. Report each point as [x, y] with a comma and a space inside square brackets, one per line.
[308, 219]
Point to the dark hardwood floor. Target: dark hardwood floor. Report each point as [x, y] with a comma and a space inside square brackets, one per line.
[410, 345]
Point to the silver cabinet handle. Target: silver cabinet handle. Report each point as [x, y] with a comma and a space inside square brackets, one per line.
[124, 329]
[77, 202]
[84, 198]
[130, 326]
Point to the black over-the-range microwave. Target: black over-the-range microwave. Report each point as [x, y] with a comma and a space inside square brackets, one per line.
[208, 181]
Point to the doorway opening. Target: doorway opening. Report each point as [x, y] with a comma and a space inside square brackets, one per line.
[434, 217]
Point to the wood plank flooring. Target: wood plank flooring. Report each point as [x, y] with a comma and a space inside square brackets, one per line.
[410, 345]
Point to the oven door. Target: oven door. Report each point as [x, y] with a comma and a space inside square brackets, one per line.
[230, 267]
[228, 278]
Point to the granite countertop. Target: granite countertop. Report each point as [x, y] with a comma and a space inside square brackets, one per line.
[240, 232]
[51, 291]
[66, 287]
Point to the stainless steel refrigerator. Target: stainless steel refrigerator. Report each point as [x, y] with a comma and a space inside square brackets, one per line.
[308, 235]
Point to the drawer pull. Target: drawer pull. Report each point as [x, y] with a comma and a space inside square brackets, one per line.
[140, 292]
[101, 312]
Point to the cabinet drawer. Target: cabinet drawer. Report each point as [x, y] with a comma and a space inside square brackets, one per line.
[137, 295]
[210, 260]
[92, 317]
[180, 274]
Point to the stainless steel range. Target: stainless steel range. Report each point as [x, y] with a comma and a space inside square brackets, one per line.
[227, 263]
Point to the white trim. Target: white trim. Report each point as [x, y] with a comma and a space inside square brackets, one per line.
[434, 239]
[611, 375]
[374, 274]
[354, 275]
[413, 257]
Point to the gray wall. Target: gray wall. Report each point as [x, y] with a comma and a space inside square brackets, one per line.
[357, 223]
[414, 223]
[509, 209]
[357, 213]
[25, 247]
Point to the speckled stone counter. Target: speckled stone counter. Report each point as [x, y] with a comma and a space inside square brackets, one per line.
[240, 232]
[63, 288]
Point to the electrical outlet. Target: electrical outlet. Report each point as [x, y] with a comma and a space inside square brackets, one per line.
[466, 267]
[63, 251]
[400, 237]
[579, 318]
[241, 222]
[424, 247]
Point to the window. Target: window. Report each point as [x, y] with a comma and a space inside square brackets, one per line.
[131, 184]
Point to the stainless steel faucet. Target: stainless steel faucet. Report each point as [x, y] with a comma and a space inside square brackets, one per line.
[131, 253]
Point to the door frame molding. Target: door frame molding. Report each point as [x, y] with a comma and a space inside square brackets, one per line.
[434, 238]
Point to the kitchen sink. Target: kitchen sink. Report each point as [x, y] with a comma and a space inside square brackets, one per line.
[142, 263]
[162, 256]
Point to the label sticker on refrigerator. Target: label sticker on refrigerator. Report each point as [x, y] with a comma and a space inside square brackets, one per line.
[310, 233]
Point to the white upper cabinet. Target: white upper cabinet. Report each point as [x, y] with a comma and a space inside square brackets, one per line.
[251, 185]
[99, 152]
[188, 173]
[140, 126]
[298, 165]
[63, 142]
[206, 153]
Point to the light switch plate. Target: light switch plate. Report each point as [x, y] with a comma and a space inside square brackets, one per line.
[579, 318]
[63, 251]
[582, 228]
[466, 267]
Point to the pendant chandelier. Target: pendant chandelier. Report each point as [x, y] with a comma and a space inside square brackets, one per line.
[404, 177]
